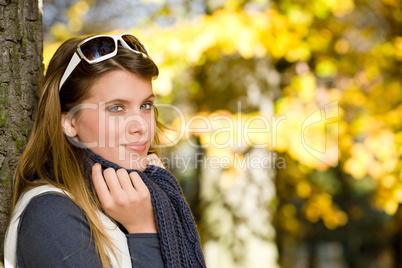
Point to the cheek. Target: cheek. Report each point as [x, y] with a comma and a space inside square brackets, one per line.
[114, 131]
[88, 126]
[97, 127]
[112, 128]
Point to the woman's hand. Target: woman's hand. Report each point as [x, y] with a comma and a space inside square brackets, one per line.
[125, 198]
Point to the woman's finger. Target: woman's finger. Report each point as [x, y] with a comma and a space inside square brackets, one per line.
[112, 181]
[100, 184]
[124, 179]
[138, 183]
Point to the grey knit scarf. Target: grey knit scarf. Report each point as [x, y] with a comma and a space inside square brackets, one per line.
[178, 236]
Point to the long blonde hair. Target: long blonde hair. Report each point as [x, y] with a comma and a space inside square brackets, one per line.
[49, 156]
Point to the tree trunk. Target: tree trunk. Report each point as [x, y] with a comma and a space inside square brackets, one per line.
[21, 69]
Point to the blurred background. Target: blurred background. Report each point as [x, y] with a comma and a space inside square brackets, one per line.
[285, 118]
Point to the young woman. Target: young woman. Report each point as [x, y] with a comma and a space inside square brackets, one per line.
[89, 190]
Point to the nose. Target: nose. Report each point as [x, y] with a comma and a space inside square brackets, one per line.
[136, 125]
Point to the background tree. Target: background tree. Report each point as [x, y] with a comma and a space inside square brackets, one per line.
[20, 73]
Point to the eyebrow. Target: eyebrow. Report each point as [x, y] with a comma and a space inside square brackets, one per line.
[126, 101]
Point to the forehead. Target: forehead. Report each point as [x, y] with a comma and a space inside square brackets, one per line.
[120, 84]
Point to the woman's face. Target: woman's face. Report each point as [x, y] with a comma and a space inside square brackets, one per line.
[117, 120]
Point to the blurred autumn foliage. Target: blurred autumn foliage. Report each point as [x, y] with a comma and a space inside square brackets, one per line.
[318, 83]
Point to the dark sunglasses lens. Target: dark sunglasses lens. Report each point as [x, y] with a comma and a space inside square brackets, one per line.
[98, 47]
[133, 43]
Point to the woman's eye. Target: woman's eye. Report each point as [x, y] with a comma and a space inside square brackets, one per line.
[115, 108]
[147, 106]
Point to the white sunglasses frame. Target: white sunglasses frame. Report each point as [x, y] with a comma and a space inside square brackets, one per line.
[78, 55]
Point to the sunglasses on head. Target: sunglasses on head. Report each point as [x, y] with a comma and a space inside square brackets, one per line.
[99, 48]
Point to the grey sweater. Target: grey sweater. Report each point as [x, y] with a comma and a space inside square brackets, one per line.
[54, 232]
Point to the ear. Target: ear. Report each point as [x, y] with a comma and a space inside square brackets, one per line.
[68, 125]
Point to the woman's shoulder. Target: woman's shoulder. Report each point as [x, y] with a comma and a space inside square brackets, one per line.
[50, 208]
[50, 218]
[52, 227]
[45, 211]
[49, 200]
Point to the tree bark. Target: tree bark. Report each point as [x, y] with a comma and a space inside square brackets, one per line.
[21, 49]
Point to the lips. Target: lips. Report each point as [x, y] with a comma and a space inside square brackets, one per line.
[136, 146]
